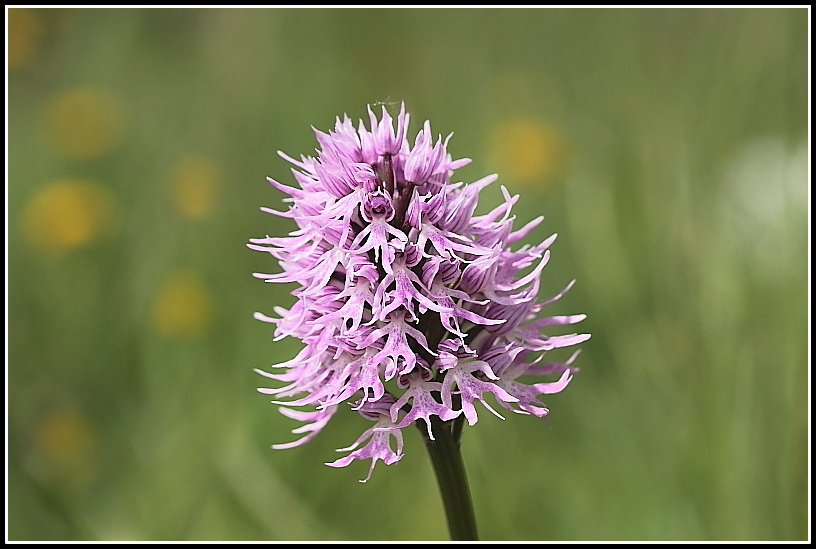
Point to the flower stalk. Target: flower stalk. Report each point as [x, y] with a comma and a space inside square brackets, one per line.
[449, 468]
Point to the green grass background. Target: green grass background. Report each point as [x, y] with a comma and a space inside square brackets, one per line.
[679, 189]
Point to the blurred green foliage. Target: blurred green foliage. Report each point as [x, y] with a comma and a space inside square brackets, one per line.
[667, 147]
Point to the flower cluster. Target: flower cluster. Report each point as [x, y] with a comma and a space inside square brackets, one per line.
[409, 305]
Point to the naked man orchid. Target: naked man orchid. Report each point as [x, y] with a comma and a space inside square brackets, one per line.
[411, 308]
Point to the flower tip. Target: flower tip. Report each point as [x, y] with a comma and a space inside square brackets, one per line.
[262, 317]
[484, 182]
[287, 445]
[573, 357]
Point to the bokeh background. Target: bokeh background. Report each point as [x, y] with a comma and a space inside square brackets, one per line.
[667, 148]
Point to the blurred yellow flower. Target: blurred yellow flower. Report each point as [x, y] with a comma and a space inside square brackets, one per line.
[85, 122]
[66, 214]
[24, 37]
[528, 151]
[193, 186]
[68, 441]
[182, 307]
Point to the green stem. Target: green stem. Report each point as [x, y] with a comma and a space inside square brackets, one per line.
[446, 457]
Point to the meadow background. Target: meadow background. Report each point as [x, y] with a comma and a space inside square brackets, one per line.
[669, 149]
